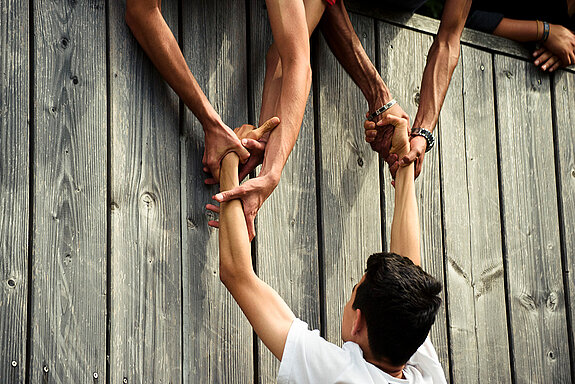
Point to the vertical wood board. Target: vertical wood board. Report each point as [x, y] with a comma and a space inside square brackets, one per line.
[531, 231]
[145, 318]
[218, 342]
[564, 109]
[14, 188]
[69, 262]
[349, 180]
[286, 240]
[402, 58]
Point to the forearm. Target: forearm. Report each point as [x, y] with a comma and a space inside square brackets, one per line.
[520, 30]
[441, 62]
[235, 252]
[346, 47]
[296, 82]
[405, 225]
[157, 40]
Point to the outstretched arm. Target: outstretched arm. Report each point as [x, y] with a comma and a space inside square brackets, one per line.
[405, 231]
[145, 19]
[266, 311]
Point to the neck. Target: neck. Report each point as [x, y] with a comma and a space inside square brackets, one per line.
[383, 364]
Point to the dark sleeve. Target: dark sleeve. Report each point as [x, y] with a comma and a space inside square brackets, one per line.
[484, 21]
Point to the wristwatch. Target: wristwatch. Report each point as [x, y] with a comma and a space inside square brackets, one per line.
[426, 134]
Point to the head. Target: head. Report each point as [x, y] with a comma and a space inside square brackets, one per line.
[398, 302]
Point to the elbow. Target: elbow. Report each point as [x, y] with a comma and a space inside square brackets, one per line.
[232, 277]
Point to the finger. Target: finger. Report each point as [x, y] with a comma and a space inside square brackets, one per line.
[555, 66]
[370, 135]
[213, 208]
[543, 58]
[235, 193]
[268, 126]
[549, 63]
[391, 159]
[247, 168]
[418, 167]
[393, 167]
[214, 223]
[393, 183]
[391, 120]
[409, 158]
[253, 144]
[210, 181]
[251, 228]
[242, 153]
[538, 52]
[367, 125]
[206, 169]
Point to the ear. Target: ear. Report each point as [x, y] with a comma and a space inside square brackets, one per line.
[359, 324]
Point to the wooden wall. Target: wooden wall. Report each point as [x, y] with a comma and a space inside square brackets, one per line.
[109, 272]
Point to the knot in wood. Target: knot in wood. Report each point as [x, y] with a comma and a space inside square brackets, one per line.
[11, 283]
[14, 363]
[95, 375]
[74, 79]
[573, 173]
[45, 369]
[148, 199]
[360, 161]
[64, 42]
[552, 301]
[482, 67]
[551, 355]
[125, 380]
[508, 74]
[527, 302]
[416, 97]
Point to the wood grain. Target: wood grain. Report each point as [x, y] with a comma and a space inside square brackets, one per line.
[146, 292]
[286, 241]
[564, 111]
[530, 218]
[218, 342]
[402, 58]
[14, 188]
[69, 239]
[349, 181]
[475, 275]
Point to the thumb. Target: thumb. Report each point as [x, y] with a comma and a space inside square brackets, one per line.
[251, 228]
[253, 144]
[268, 126]
[243, 154]
[409, 158]
[232, 194]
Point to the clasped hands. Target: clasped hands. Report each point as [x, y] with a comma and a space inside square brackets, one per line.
[255, 191]
[379, 135]
[557, 51]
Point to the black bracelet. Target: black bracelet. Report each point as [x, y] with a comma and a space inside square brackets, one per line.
[379, 111]
[425, 134]
[545, 31]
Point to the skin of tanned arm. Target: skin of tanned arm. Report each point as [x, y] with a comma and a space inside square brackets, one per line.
[441, 62]
[145, 19]
[340, 36]
[266, 311]
[291, 39]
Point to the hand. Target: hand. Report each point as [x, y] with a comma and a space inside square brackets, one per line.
[255, 191]
[257, 150]
[546, 60]
[378, 135]
[417, 153]
[219, 141]
[560, 44]
[252, 193]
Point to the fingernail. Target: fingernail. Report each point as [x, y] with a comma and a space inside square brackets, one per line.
[244, 141]
[536, 62]
[218, 197]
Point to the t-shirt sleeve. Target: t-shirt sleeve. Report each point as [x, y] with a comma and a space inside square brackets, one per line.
[484, 21]
[309, 358]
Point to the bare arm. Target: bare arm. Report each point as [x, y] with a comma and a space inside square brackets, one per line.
[441, 62]
[405, 230]
[145, 19]
[266, 311]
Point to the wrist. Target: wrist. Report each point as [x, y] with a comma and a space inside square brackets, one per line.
[211, 121]
[379, 96]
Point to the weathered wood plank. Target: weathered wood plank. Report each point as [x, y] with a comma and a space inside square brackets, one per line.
[14, 188]
[349, 181]
[402, 58]
[476, 299]
[145, 318]
[564, 109]
[69, 263]
[530, 223]
[286, 242]
[218, 342]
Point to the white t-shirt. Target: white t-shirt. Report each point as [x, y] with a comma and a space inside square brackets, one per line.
[309, 358]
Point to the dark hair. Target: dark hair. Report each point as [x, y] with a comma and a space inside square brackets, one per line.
[399, 301]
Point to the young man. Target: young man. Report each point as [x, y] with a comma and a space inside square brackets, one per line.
[387, 318]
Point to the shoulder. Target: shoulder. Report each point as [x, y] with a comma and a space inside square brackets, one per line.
[308, 357]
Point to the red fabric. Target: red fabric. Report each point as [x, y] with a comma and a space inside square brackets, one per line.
[330, 2]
